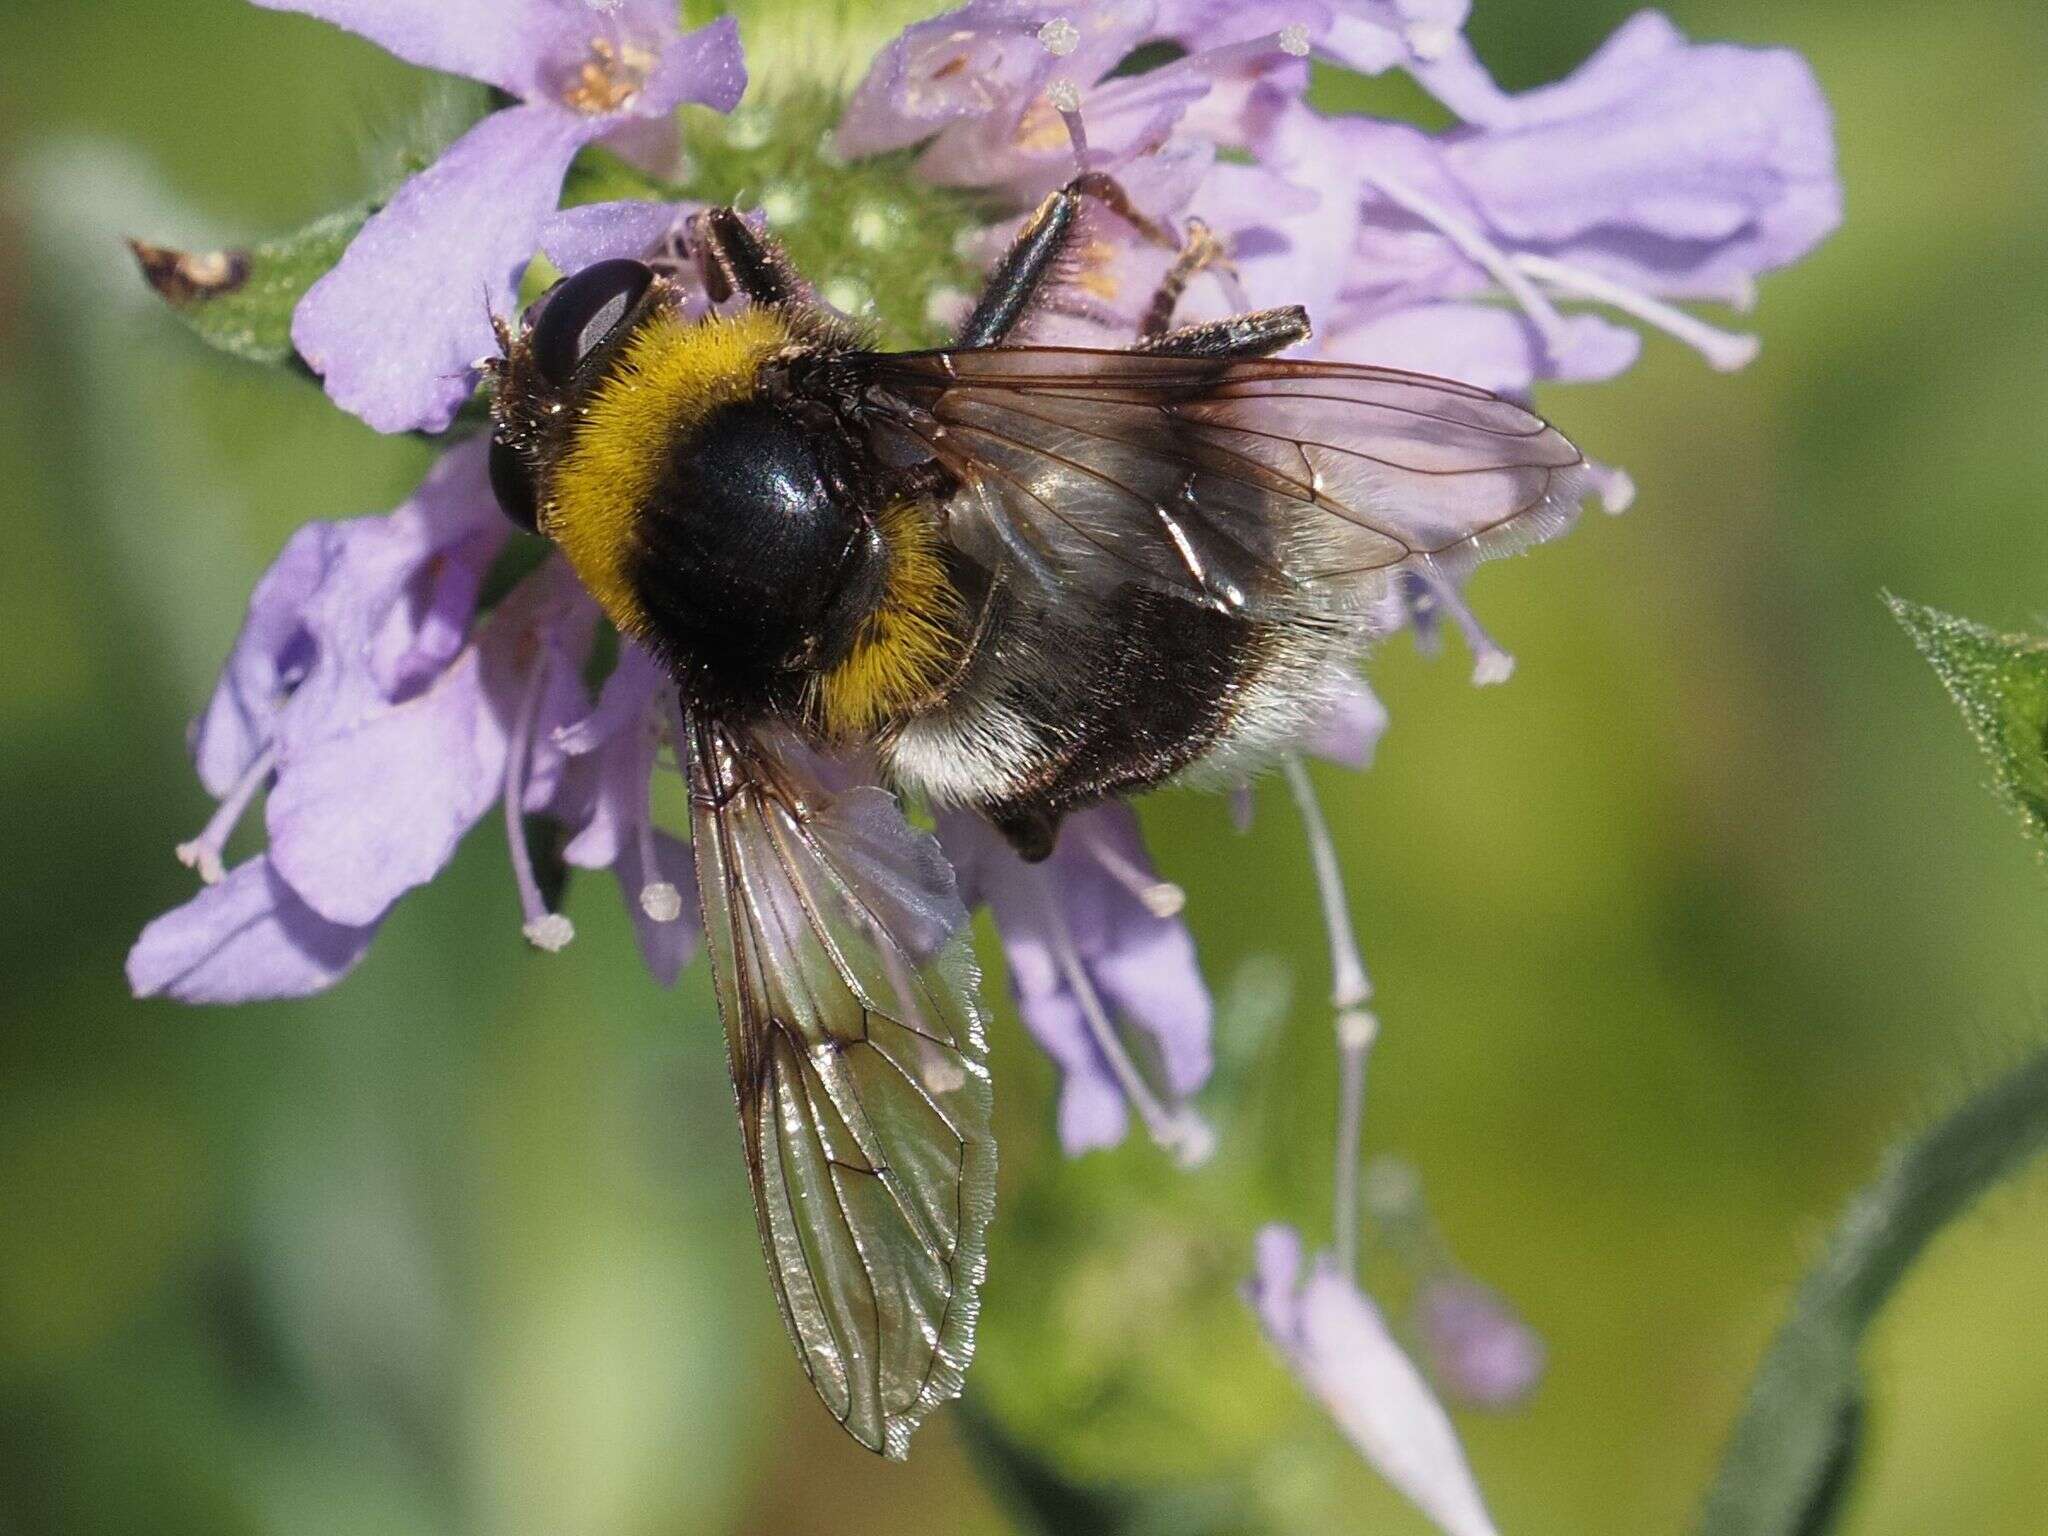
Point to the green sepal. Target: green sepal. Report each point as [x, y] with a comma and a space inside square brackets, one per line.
[2001, 683]
[1794, 1450]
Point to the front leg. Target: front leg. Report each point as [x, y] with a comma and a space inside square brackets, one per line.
[1034, 255]
[733, 260]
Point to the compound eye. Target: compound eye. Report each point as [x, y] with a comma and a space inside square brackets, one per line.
[583, 313]
[512, 484]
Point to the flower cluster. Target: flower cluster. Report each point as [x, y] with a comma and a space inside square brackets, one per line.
[381, 701]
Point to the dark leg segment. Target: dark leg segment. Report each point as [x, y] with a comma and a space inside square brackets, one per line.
[735, 260]
[1032, 257]
[1259, 334]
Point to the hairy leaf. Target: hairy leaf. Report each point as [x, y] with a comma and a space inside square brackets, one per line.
[1794, 1449]
[241, 301]
[2001, 682]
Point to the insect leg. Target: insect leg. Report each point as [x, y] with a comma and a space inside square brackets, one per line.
[1199, 251]
[1259, 334]
[732, 259]
[1034, 256]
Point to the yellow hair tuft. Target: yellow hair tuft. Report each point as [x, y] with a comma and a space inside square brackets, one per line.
[907, 645]
[672, 374]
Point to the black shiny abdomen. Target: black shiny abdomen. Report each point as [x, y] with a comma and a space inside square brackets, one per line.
[753, 559]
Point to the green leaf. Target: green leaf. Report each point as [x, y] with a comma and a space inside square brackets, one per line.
[2001, 682]
[241, 301]
[1794, 1449]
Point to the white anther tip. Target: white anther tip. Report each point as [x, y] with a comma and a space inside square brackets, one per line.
[1064, 95]
[203, 859]
[1491, 667]
[1164, 899]
[1189, 1139]
[871, 226]
[551, 932]
[782, 205]
[1727, 353]
[1357, 1028]
[1294, 40]
[1430, 40]
[661, 901]
[1617, 491]
[1059, 37]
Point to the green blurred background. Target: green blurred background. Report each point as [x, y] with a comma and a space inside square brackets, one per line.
[1672, 934]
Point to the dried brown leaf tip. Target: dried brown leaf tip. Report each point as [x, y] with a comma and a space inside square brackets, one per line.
[186, 277]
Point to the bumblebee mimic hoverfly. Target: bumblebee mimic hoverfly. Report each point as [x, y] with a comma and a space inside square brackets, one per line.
[1020, 579]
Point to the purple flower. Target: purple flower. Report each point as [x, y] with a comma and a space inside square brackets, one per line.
[984, 82]
[1334, 1339]
[1478, 1351]
[244, 938]
[614, 751]
[397, 327]
[386, 716]
[1661, 170]
[1094, 944]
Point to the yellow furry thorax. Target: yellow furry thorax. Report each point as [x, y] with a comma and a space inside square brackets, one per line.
[906, 647]
[671, 375]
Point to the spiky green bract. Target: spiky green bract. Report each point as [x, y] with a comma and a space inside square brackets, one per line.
[1794, 1450]
[2001, 683]
[877, 243]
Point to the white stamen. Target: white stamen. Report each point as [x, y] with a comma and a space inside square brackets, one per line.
[1725, 351]
[1162, 898]
[1065, 97]
[1430, 40]
[1490, 664]
[783, 205]
[848, 295]
[203, 860]
[1175, 1128]
[203, 853]
[1350, 987]
[1480, 250]
[1294, 40]
[872, 225]
[551, 932]
[1617, 490]
[1491, 668]
[661, 901]
[1059, 37]
[544, 930]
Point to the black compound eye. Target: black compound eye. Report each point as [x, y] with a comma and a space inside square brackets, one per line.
[583, 312]
[512, 484]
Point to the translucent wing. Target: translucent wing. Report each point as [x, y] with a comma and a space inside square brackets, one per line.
[1247, 485]
[846, 976]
